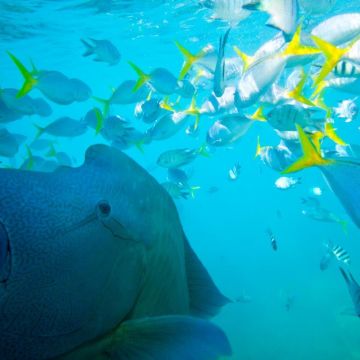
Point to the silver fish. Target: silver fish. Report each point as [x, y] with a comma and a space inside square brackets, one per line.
[104, 50]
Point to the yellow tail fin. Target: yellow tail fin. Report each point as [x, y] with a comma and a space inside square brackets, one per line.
[258, 115]
[143, 78]
[311, 156]
[52, 152]
[316, 138]
[330, 132]
[195, 111]
[190, 59]
[40, 131]
[192, 190]
[30, 164]
[332, 55]
[99, 120]
[297, 93]
[258, 147]
[29, 80]
[296, 48]
[247, 60]
[320, 103]
[203, 151]
[106, 103]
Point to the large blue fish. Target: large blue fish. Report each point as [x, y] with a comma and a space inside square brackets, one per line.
[94, 263]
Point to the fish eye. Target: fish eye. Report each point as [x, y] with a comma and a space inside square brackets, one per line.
[104, 208]
[4, 254]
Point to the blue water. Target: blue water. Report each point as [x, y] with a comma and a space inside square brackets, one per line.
[227, 229]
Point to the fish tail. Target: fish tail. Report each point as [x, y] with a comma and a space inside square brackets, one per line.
[195, 111]
[165, 104]
[143, 78]
[29, 80]
[99, 121]
[311, 156]
[259, 114]
[203, 151]
[89, 49]
[320, 102]
[330, 132]
[140, 146]
[295, 47]
[332, 54]
[40, 131]
[106, 103]
[297, 92]
[344, 226]
[30, 157]
[190, 59]
[246, 59]
[193, 190]
[52, 152]
[258, 147]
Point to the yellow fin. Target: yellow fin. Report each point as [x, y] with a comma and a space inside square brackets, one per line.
[311, 157]
[52, 152]
[247, 60]
[316, 137]
[258, 147]
[143, 78]
[165, 104]
[29, 80]
[99, 120]
[297, 92]
[192, 190]
[195, 111]
[190, 59]
[30, 157]
[106, 103]
[330, 132]
[332, 55]
[258, 115]
[40, 131]
[203, 150]
[320, 103]
[296, 48]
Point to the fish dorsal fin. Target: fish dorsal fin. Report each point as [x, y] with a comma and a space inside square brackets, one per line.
[205, 298]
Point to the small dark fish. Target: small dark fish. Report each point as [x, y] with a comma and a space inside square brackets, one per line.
[178, 176]
[325, 261]
[213, 190]
[104, 51]
[290, 299]
[273, 241]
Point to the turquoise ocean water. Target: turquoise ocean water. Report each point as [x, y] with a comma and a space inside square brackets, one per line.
[292, 310]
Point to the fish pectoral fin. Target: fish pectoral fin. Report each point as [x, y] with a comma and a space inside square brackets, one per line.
[205, 298]
[153, 338]
[169, 337]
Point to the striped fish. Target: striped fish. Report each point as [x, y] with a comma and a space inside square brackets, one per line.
[341, 254]
[346, 69]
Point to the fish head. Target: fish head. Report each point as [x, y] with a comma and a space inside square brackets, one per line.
[71, 264]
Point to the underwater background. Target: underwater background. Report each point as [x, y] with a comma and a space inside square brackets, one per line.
[287, 307]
